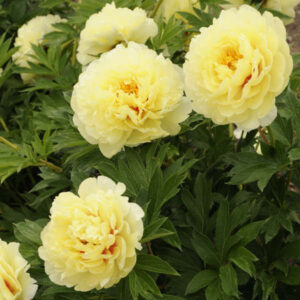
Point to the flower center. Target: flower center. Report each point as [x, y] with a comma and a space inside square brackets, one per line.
[229, 57]
[94, 235]
[129, 87]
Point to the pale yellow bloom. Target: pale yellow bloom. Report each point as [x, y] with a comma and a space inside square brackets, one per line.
[169, 8]
[15, 281]
[91, 239]
[32, 33]
[128, 97]
[104, 30]
[236, 67]
[286, 7]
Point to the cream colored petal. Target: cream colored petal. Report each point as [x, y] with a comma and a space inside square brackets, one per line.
[171, 122]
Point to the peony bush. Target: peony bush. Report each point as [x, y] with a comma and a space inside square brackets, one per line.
[149, 149]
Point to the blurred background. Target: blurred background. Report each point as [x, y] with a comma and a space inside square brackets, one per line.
[294, 32]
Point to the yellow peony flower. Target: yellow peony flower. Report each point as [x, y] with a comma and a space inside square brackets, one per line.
[104, 30]
[287, 7]
[15, 282]
[128, 97]
[169, 8]
[236, 67]
[32, 33]
[91, 239]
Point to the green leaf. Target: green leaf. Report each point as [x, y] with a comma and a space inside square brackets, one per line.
[283, 130]
[249, 232]
[147, 283]
[243, 259]
[271, 228]
[173, 239]
[229, 280]
[205, 249]
[213, 291]
[294, 154]
[133, 285]
[291, 250]
[152, 228]
[54, 290]
[201, 280]
[281, 265]
[29, 231]
[268, 285]
[154, 264]
[249, 167]
[199, 205]
[293, 277]
[222, 227]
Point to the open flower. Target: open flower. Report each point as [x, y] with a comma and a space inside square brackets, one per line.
[32, 33]
[104, 30]
[169, 8]
[127, 97]
[15, 282]
[91, 239]
[286, 7]
[236, 67]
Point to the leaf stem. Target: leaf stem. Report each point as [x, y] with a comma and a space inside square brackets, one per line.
[75, 44]
[50, 165]
[41, 162]
[263, 135]
[231, 129]
[149, 250]
[8, 143]
[159, 3]
[4, 125]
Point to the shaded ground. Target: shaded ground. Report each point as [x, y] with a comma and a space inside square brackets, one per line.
[294, 32]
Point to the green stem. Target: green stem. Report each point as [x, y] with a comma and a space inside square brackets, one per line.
[41, 162]
[50, 165]
[149, 250]
[8, 143]
[4, 125]
[159, 3]
[263, 136]
[73, 59]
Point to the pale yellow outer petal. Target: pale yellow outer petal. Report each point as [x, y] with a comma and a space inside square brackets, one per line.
[286, 7]
[32, 33]
[104, 30]
[169, 8]
[15, 281]
[235, 68]
[91, 239]
[127, 97]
